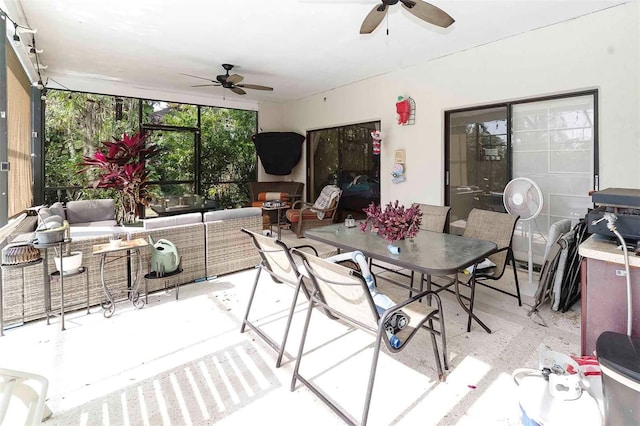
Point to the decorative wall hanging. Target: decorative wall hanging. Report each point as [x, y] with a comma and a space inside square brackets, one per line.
[406, 109]
[398, 168]
[376, 135]
[397, 173]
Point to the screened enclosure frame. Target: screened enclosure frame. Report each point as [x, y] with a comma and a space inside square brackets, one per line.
[198, 182]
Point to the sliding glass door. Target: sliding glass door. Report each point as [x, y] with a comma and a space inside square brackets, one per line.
[343, 156]
[478, 166]
[553, 144]
[552, 141]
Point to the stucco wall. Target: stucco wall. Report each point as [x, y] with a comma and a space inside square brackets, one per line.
[270, 119]
[598, 51]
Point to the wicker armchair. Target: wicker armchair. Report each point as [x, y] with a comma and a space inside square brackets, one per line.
[302, 217]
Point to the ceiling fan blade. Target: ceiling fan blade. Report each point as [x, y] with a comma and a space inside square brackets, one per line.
[255, 87]
[205, 85]
[373, 19]
[428, 12]
[234, 78]
[195, 76]
[237, 90]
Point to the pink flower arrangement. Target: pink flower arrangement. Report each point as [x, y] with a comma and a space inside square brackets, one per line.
[394, 223]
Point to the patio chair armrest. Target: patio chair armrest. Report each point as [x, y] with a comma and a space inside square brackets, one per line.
[419, 324]
[299, 204]
[395, 308]
[307, 246]
[309, 206]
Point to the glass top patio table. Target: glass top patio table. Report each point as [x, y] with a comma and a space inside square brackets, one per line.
[430, 253]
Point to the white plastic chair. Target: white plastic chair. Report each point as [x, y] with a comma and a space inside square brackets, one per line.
[16, 387]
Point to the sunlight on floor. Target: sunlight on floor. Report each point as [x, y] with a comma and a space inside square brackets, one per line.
[186, 362]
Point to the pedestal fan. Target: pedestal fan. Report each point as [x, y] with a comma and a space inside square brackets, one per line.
[523, 197]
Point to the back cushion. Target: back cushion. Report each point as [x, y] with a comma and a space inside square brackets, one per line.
[83, 211]
[164, 222]
[48, 218]
[231, 214]
[57, 209]
[266, 196]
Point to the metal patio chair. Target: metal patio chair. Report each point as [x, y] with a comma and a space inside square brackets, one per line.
[489, 226]
[276, 260]
[344, 293]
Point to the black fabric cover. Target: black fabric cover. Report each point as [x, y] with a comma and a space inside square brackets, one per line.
[278, 151]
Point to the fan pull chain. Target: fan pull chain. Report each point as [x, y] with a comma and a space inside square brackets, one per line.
[387, 20]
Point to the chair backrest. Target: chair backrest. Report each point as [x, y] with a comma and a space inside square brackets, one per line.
[292, 188]
[276, 258]
[342, 289]
[334, 206]
[492, 226]
[434, 218]
[328, 199]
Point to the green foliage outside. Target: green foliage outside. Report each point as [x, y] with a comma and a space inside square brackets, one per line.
[228, 154]
[76, 123]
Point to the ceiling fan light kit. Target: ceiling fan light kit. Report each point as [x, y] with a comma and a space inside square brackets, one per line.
[230, 81]
[418, 8]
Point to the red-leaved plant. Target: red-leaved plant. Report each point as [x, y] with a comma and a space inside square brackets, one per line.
[121, 165]
[394, 223]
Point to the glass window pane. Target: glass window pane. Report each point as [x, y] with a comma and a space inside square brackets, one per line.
[75, 125]
[228, 153]
[175, 160]
[530, 141]
[324, 159]
[226, 195]
[169, 113]
[478, 162]
[343, 156]
[564, 168]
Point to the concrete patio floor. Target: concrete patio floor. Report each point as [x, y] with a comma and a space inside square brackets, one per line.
[185, 362]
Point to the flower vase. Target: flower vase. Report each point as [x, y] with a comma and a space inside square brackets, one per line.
[393, 249]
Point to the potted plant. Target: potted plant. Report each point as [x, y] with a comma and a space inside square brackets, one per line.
[121, 165]
[71, 260]
[394, 222]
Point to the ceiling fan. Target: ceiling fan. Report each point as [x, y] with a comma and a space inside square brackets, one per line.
[231, 82]
[423, 10]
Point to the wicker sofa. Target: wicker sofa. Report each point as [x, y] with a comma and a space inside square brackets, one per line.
[227, 248]
[207, 249]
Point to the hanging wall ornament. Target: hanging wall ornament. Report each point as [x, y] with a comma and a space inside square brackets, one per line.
[376, 135]
[406, 109]
[397, 173]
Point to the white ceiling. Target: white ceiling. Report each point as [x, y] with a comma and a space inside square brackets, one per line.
[299, 47]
